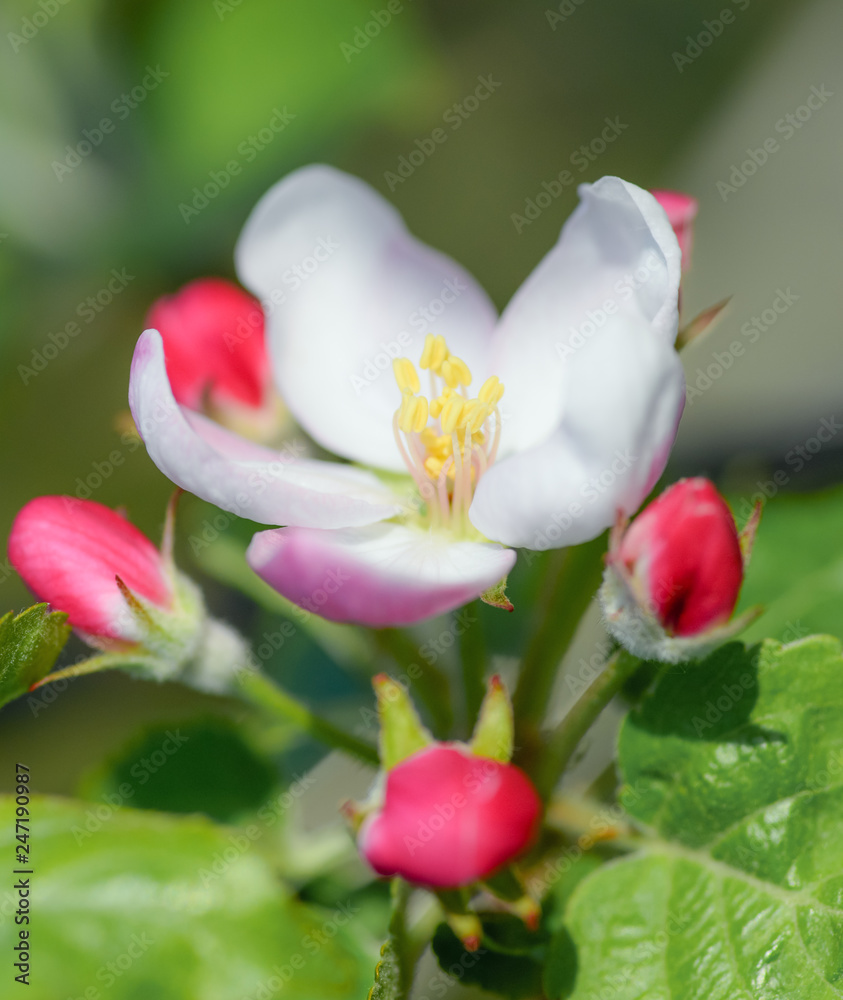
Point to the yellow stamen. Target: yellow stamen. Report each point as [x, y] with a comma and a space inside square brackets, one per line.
[455, 372]
[451, 445]
[413, 413]
[435, 351]
[433, 466]
[406, 375]
[475, 414]
[491, 391]
[451, 413]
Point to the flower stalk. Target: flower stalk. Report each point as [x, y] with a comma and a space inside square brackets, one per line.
[564, 741]
[264, 693]
[572, 577]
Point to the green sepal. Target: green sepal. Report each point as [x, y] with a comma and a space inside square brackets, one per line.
[402, 732]
[496, 596]
[494, 734]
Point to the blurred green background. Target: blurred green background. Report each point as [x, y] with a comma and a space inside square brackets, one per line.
[221, 69]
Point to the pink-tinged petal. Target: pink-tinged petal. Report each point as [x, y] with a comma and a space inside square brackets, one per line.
[346, 288]
[681, 211]
[242, 477]
[450, 818]
[69, 553]
[683, 554]
[382, 575]
[622, 415]
[616, 257]
[213, 335]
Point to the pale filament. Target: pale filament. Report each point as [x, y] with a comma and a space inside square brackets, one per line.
[448, 443]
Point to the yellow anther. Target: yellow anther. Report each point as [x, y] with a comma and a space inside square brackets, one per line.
[451, 413]
[491, 391]
[434, 352]
[412, 417]
[455, 372]
[443, 445]
[437, 403]
[475, 414]
[406, 375]
[433, 466]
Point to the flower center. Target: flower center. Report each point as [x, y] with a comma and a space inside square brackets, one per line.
[448, 441]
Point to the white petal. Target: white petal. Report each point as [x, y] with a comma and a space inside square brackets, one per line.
[605, 456]
[382, 575]
[242, 477]
[616, 255]
[346, 288]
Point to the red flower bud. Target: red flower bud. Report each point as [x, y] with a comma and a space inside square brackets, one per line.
[214, 345]
[70, 553]
[681, 211]
[673, 577]
[449, 818]
[685, 548]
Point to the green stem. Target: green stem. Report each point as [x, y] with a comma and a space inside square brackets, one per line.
[263, 692]
[572, 578]
[400, 891]
[431, 684]
[473, 657]
[567, 736]
[93, 665]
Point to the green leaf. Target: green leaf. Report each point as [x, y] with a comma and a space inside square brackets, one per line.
[796, 569]
[505, 963]
[175, 909]
[168, 768]
[734, 769]
[231, 65]
[29, 646]
[512, 960]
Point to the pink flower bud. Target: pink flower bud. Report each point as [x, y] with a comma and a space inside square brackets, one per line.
[673, 577]
[214, 345]
[685, 550]
[450, 818]
[70, 553]
[681, 211]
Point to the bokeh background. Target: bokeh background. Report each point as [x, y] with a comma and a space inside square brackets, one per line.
[691, 106]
